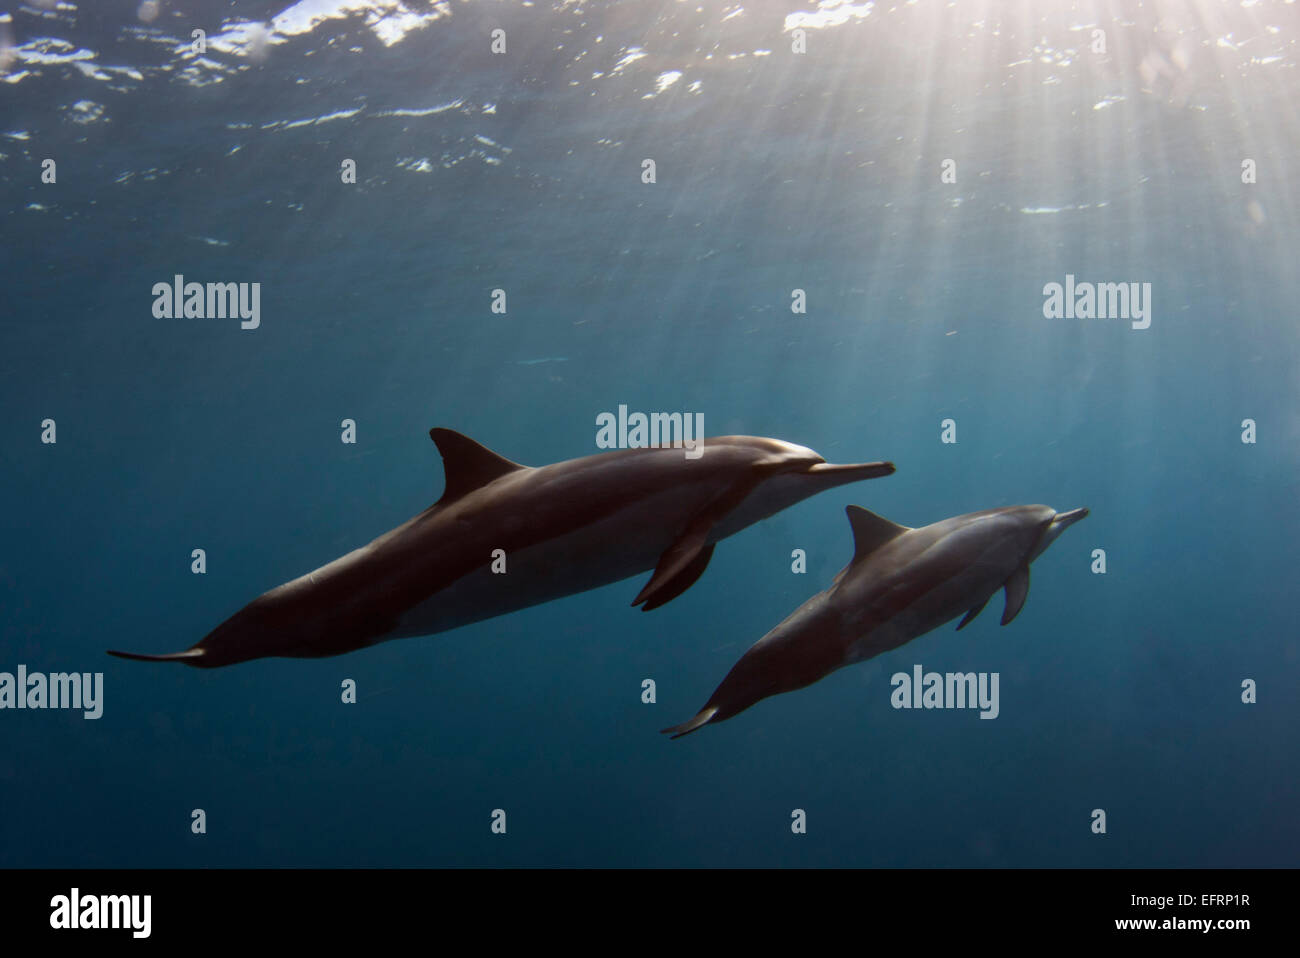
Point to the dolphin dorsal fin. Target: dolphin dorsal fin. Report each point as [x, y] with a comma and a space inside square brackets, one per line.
[871, 531]
[468, 465]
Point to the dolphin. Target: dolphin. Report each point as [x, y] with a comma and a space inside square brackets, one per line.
[560, 529]
[900, 584]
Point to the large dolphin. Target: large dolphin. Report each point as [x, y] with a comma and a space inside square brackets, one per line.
[563, 528]
[900, 584]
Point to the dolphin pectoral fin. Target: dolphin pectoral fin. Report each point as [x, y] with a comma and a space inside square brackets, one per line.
[684, 560]
[702, 719]
[188, 656]
[970, 616]
[1017, 592]
[682, 581]
[678, 567]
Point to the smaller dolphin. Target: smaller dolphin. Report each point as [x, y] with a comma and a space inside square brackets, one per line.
[900, 584]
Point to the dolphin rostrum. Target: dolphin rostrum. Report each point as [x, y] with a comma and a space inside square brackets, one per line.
[900, 584]
[559, 529]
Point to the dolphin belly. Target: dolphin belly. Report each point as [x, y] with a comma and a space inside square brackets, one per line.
[624, 544]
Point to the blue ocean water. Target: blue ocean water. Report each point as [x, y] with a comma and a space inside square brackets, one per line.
[921, 171]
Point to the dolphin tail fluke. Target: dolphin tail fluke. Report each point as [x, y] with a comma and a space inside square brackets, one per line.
[188, 656]
[701, 720]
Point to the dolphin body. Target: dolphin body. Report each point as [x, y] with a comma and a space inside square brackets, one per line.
[564, 528]
[900, 584]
